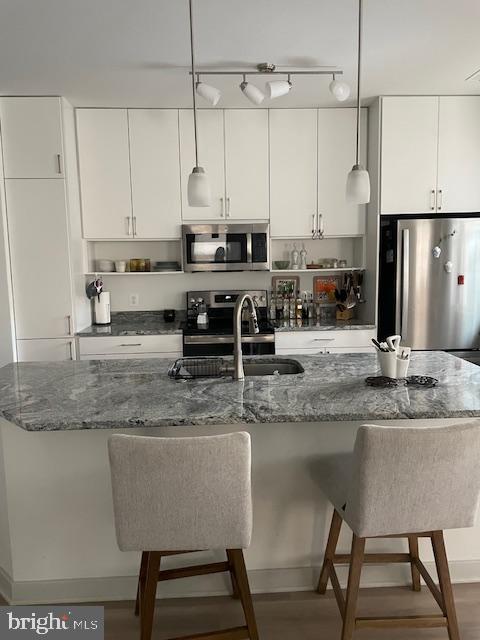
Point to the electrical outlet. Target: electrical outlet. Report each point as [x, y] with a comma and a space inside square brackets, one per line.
[134, 299]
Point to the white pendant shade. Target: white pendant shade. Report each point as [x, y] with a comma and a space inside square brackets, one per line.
[358, 185]
[252, 92]
[198, 191]
[209, 93]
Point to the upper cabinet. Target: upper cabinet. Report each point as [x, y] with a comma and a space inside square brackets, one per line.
[409, 154]
[104, 166]
[155, 174]
[211, 156]
[246, 164]
[32, 137]
[293, 172]
[336, 155]
[430, 154]
[233, 150]
[458, 184]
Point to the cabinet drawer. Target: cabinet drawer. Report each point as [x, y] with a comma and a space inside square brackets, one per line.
[130, 344]
[320, 339]
[170, 357]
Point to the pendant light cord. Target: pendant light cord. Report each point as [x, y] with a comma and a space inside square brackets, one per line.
[193, 84]
[359, 61]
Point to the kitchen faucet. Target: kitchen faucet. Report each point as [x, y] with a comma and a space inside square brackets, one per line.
[238, 373]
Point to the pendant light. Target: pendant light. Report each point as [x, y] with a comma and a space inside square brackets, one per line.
[198, 190]
[358, 181]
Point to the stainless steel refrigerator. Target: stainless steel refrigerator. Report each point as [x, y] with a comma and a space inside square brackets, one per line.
[429, 281]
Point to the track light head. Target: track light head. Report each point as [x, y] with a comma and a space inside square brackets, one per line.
[339, 90]
[209, 93]
[278, 88]
[253, 93]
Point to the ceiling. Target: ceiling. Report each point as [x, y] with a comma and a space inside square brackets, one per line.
[136, 52]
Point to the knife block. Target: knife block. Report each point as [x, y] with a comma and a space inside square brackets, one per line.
[345, 315]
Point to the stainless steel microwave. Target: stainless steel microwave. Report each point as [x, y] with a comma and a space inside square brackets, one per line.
[225, 247]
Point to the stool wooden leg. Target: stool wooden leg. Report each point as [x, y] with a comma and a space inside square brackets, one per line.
[147, 599]
[329, 551]
[441, 562]
[241, 579]
[141, 580]
[356, 562]
[235, 593]
[413, 549]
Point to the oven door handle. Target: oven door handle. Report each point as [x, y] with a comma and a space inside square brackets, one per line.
[215, 339]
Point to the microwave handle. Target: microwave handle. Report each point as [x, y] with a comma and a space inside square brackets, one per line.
[249, 249]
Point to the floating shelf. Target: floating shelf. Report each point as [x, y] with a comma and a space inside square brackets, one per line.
[132, 273]
[338, 269]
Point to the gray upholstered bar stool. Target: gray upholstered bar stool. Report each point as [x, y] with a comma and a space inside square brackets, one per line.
[405, 483]
[178, 495]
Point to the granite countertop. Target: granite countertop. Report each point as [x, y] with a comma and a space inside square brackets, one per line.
[117, 394]
[135, 323]
[314, 325]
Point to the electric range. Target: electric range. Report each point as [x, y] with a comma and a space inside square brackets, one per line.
[216, 337]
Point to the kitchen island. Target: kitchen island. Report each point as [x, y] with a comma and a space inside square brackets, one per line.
[54, 478]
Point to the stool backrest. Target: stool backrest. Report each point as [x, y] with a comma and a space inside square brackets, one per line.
[410, 480]
[177, 494]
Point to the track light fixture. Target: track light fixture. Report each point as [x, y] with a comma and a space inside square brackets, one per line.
[273, 88]
[253, 93]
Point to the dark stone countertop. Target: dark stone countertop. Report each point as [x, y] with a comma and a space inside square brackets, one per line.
[118, 394]
[135, 323]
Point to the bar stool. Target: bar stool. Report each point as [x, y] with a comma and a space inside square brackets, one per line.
[401, 483]
[178, 495]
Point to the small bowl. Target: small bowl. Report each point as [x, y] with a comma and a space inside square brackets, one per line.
[281, 264]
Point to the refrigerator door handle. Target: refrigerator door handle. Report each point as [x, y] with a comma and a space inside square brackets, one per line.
[405, 281]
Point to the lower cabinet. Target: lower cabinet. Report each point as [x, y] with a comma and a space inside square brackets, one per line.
[313, 342]
[51, 349]
[129, 347]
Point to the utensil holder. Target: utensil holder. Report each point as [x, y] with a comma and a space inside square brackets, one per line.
[391, 365]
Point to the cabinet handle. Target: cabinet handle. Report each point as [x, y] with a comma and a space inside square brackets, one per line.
[70, 349]
[432, 200]
[59, 164]
[227, 214]
[323, 339]
[314, 230]
[133, 344]
[129, 226]
[222, 213]
[440, 200]
[321, 231]
[134, 225]
[69, 325]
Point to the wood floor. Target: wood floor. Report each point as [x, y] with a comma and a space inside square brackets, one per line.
[295, 616]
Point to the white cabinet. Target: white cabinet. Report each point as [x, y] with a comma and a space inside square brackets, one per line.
[336, 155]
[110, 347]
[246, 164]
[155, 174]
[459, 154]
[311, 342]
[38, 236]
[52, 350]
[211, 157]
[293, 172]
[409, 154]
[32, 137]
[104, 168]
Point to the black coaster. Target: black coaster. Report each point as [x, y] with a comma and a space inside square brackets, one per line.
[421, 381]
[383, 381]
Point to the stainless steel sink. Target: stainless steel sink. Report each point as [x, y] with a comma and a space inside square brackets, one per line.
[274, 366]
